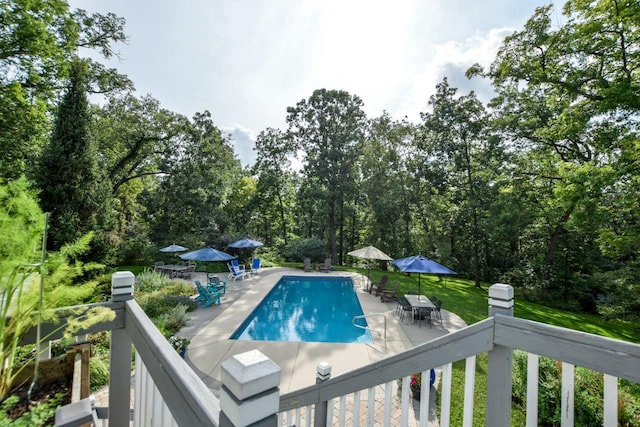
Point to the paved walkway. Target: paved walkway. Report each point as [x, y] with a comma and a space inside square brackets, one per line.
[210, 328]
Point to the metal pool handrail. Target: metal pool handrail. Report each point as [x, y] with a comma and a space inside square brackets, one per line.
[364, 316]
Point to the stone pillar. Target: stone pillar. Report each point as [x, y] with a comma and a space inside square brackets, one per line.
[120, 356]
[249, 395]
[323, 373]
[499, 363]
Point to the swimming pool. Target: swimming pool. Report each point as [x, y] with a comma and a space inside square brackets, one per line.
[307, 309]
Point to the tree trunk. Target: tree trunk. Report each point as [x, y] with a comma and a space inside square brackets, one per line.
[554, 238]
[282, 218]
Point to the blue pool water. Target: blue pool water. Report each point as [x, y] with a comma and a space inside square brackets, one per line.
[307, 309]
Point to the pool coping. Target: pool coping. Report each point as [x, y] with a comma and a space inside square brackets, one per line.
[210, 328]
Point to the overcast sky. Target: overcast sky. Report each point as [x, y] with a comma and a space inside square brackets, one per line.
[246, 61]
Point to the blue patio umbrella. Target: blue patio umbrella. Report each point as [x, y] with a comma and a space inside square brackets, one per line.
[207, 254]
[420, 264]
[173, 248]
[245, 243]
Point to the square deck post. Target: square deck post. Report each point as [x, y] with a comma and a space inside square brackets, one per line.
[499, 364]
[122, 283]
[249, 394]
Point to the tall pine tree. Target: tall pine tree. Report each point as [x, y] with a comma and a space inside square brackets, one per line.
[73, 187]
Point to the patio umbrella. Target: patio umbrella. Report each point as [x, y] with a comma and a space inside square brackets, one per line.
[419, 264]
[207, 254]
[370, 252]
[245, 243]
[173, 248]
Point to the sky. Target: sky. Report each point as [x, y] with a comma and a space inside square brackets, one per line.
[246, 61]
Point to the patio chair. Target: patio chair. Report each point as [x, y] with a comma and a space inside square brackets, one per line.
[424, 313]
[307, 265]
[157, 265]
[390, 294]
[215, 284]
[187, 273]
[206, 297]
[380, 286]
[256, 266]
[326, 267]
[237, 273]
[436, 314]
[234, 264]
[403, 307]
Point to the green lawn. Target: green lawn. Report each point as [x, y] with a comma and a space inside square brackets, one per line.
[470, 303]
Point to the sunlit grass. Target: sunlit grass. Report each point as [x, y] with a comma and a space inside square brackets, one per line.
[461, 297]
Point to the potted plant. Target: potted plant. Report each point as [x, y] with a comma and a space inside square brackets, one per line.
[415, 385]
[180, 344]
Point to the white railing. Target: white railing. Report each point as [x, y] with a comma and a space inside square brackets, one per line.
[168, 393]
[498, 336]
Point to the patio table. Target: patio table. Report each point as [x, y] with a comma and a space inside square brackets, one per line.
[171, 269]
[417, 302]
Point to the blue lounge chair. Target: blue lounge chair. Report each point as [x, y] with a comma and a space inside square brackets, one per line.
[236, 273]
[256, 266]
[206, 297]
[234, 264]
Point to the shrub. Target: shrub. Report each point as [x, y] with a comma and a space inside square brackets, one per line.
[589, 387]
[39, 415]
[175, 319]
[98, 372]
[150, 281]
[298, 249]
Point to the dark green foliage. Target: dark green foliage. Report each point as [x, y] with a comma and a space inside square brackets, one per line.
[165, 301]
[98, 372]
[39, 415]
[588, 409]
[74, 188]
[298, 249]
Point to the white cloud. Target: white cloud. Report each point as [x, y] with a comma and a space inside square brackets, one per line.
[451, 60]
[244, 140]
[246, 62]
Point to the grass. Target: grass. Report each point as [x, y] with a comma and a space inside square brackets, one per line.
[461, 297]
[470, 303]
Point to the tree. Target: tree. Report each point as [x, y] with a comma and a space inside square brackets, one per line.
[38, 42]
[329, 129]
[456, 135]
[569, 98]
[74, 189]
[22, 225]
[389, 143]
[188, 201]
[274, 189]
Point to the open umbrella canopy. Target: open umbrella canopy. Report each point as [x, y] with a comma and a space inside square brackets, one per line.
[370, 252]
[245, 243]
[419, 264]
[173, 248]
[207, 254]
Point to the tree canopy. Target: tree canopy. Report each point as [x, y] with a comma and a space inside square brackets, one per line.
[537, 188]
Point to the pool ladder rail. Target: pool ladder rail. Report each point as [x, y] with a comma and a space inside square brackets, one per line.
[364, 316]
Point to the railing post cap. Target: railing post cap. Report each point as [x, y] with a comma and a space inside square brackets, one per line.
[248, 374]
[122, 284]
[323, 368]
[501, 291]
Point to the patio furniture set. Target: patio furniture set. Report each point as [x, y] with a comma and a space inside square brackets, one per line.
[420, 307]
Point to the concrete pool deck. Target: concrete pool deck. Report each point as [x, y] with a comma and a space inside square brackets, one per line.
[210, 328]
